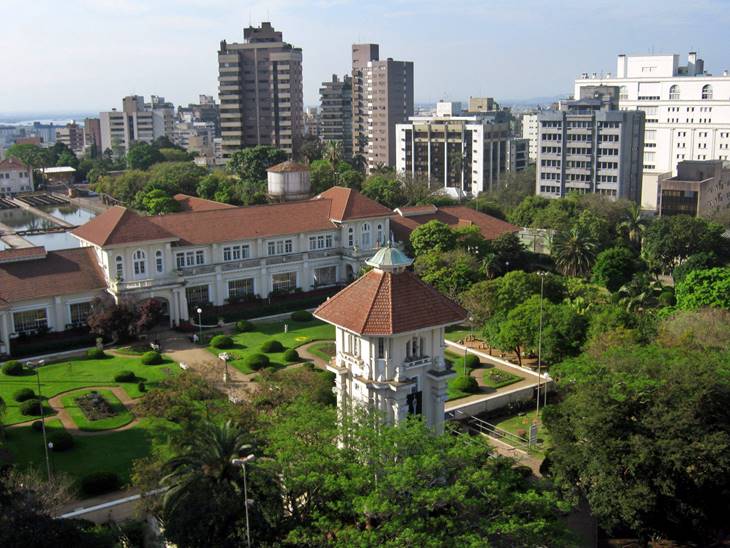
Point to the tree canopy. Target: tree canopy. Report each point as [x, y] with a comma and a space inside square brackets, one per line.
[251, 163]
[700, 288]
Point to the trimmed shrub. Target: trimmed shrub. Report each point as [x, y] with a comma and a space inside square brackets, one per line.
[256, 361]
[151, 358]
[141, 387]
[37, 426]
[272, 346]
[270, 370]
[98, 483]
[30, 407]
[23, 394]
[302, 316]
[62, 441]
[13, 367]
[221, 341]
[471, 361]
[465, 384]
[125, 376]
[95, 354]
[291, 355]
[244, 326]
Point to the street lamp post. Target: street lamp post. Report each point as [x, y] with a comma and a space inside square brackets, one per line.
[539, 345]
[200, 323]
[242, 463]
[46, 445]
[225, 356]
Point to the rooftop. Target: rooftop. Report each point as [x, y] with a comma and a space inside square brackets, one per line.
[12, 163]
[288, 167]
[410, 218]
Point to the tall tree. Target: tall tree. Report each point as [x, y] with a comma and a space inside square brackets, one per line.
[142, 155]
[634, 225]
[705, 288]
[384, 189]
[250, 164]
[574, 251]
[615, 267]
[432, 236]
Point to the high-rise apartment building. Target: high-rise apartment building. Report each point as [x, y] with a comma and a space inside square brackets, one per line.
[260, 85]
[589, 147]
[687, 111]
[529, 132]
[335, 113]
[382, 98]
[71, 135]
[92, 134]
[136, 121]
[205, 110]
[463, 154]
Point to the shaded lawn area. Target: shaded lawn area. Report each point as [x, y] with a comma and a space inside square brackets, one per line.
[121, 417]
[457, 365]
[78, 373]
[458, 332]
[523, 422]
[112, 452]
[324, 350]
[497, 378]
[299, 333]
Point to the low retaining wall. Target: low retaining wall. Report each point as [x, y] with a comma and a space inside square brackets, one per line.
[492, 402]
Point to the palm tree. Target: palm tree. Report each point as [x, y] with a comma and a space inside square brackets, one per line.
[574, 251]
[633, 224]
[333, 153]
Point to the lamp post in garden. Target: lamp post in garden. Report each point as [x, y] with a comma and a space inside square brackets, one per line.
[200, 323]
[225, 356]
[539, 347]
[242, 463]
[46, 445]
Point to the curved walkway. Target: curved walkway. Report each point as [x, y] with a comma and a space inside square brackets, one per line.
[71, 426]
[307, 355]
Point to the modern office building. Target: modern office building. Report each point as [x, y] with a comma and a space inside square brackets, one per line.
[482, 104]
[530, 132]
[71, 135]
[136, 121]
[335, 113]
[588, 147]
[463, 154]
[260, 86]
[687, 111]
[518, 154]
[92, 134]
[701, 188]
[206, 110]
[382, 97]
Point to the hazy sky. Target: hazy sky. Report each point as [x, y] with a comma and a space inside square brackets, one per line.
[84, 55]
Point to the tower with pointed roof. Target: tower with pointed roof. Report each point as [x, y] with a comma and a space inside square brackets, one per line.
[390, 341]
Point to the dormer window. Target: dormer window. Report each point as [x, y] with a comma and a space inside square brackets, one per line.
[350, 237]
[119, 262]
[140, 263]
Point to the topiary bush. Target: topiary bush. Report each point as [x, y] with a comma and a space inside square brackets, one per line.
[272, 346]
[151, 358]
[23, 394]
[141, 387]
[62, 441]
[256, 361]
[221, 341]
[471, 361]
[30, 407]
[291, 355]
[13, 367]
[302, 316]
[98, 483]
[37, 426]
[125, 376]
[244, 326]
[95, 354]
[465, 384]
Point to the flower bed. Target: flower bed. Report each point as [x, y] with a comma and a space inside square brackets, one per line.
[94, 406]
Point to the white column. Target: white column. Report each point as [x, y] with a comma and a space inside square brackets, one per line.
[59, 314]
[219, 290]
[5, 331]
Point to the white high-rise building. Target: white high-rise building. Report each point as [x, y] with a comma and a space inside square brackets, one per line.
[687, 111]
[529, 132]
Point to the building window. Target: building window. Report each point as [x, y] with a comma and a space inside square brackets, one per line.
[120, 267]
[190, 258]
[279, 247]
[199, 257]
[381, 348]
[283, 282]
[674, 93]
[365, 235]
[323, 241]
[78, 313]
[197, 295]
[240, 288]
[326, 275]
[159, 262]
[350, 237]
[236, 252]
[140, 263]
[623, 93]
[380, 235]
[707, 91]
[30, 320]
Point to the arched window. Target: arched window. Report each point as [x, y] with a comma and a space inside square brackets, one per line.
[381, 236]
[159, 262]
[350, 237]
[365, 235]
[674, 93]
[120, 267]
[707, 91]
[623, 93]
[140, 262]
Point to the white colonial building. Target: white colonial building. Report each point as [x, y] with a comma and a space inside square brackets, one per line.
[390, 342]
[15, 177]
[687, 111]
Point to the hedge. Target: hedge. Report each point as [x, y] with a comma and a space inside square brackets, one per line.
[98, 483]
[151, 358]
[95, 354]
[30, 407]
[221, 341]
[23, 394]
[36, 346]
[256, 361]
[244, 326]
[302, 316]
[13, 367]
[465, 384]
[125, 376]
[291, 355]
[62, 441]
[272, 346]
[471, 361]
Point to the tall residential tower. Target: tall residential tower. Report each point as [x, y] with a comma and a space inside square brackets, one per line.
[335, 114]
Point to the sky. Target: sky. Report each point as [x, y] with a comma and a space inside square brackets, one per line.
[85, 55]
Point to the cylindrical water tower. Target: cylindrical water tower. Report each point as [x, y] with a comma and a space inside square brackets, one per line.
[288, 181]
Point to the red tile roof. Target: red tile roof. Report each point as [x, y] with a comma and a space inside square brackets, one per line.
[350, 204]
[411, 218]
[63, 272]
[288, 167]
[118, 225]
[12, 163]
[22, 254]
[385, 303]
[193, 203]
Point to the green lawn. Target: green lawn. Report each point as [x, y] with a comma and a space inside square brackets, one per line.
[112, 452]
[299, 333]
[458, 332]
[79, 373]
[497, 378]
[122, 417]
[324, 350]
[457, 364]
[523, 422]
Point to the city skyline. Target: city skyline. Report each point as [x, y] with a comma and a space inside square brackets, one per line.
[124, 47]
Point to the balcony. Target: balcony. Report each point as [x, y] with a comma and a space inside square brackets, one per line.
[417, 361]
[238, 265]
[291, 258]
[132, 285]
[197, 270]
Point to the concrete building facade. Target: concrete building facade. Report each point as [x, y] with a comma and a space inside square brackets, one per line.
[92, 134]
[687, 111]
[136, 122]
[530, 132]
[701, 188]
[71, 135]
[335, 113]
[15, 177]
[260, 87]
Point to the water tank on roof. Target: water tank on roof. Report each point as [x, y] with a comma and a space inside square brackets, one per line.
[288, 181]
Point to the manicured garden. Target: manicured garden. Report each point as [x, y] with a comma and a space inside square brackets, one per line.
[520, 426]
[109, 414]
[498, 378]
[266, 344]
[324, 350]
